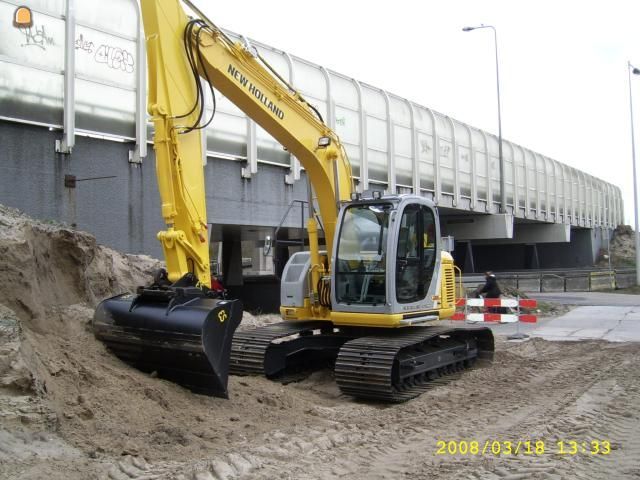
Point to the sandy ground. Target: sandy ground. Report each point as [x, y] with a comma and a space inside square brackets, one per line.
[71, 410]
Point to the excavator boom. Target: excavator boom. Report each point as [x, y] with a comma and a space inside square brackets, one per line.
[176, 327]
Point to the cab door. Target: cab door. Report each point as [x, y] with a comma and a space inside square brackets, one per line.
[415, 254]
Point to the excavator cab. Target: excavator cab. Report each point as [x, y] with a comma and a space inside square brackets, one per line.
[388, 267]
[386, 253]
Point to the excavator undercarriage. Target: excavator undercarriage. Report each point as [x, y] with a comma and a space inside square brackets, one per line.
[391, 365]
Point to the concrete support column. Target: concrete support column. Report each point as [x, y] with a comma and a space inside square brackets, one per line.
[532, 260]
[261, 262]
[140, 151]
[232, 261]
[66, 144]
[469, 264]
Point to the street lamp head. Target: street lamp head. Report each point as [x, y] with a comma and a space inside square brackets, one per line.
[482, 25]
[635, 71]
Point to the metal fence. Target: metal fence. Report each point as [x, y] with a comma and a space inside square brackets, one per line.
[570, 281]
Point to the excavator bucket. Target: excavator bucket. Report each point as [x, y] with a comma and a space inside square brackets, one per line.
[180, 334]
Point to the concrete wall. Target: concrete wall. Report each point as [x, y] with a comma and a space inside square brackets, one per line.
[579, 252]
[124, 212]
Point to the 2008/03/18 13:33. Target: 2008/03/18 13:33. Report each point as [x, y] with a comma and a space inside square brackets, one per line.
[522, 447]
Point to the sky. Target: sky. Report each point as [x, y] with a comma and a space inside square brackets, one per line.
[563, 64]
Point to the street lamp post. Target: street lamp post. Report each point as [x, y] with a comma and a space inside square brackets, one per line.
[503, 192]
[633, 70]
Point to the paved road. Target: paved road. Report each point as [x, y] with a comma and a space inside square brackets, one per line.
[614, 324]
[599, 316]
[589, 298]
[507, 329]
[613, 317]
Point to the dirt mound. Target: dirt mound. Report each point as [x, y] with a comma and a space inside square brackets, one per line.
[14, 375]
[56, 379]
[47, 265]
[623, 248]
[45, 268]
[250, 321]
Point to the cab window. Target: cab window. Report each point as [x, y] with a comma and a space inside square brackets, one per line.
[362, 254]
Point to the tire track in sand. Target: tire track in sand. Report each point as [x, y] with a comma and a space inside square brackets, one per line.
[553, 392]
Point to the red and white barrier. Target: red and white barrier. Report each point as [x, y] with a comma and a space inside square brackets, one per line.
[515, 303]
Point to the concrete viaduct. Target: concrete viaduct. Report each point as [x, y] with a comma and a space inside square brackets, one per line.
[72, 102]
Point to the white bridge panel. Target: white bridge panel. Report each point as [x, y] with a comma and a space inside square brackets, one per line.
[393, 143]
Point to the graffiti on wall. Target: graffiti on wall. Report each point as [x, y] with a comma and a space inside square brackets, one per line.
[445, 150]
[113, 57]
[83, 44]
[36, 36]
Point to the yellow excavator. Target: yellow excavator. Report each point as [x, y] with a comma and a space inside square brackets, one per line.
[368, 301]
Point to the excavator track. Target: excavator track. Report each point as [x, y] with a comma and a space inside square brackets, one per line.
[399, 365]
[389, 365]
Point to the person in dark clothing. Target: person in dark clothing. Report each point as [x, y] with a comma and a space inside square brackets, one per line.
[490, 289]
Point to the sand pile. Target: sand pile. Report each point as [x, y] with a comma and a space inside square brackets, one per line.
[47, 265]
[45, 268]
[57, 379]
[51, 277]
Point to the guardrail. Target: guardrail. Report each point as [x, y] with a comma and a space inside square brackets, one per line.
[553, 281]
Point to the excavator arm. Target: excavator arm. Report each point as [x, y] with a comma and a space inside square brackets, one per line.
[177, 327]
[172, 104]
[241, 75]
